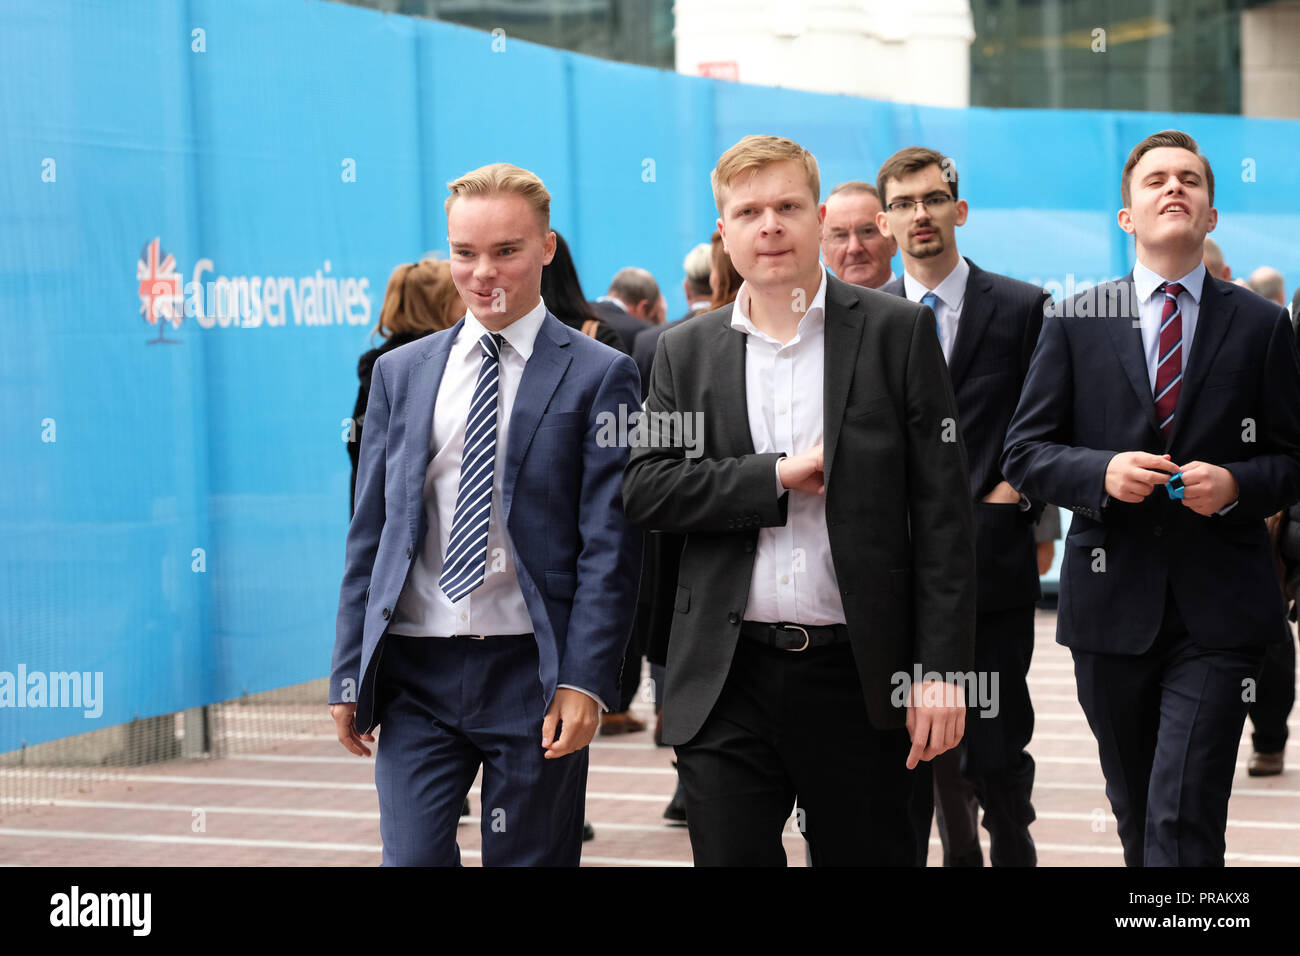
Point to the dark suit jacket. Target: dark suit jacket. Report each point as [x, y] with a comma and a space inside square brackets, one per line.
[999, 325]
[627, 326]
[575, 555]
[643, 350]
[1088, 397]
[897, 507]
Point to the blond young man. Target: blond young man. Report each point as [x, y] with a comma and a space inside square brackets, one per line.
[806, 598]
[490, 574]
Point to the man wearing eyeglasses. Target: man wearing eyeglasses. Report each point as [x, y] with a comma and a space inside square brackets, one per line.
[988, 325]
[852, 244]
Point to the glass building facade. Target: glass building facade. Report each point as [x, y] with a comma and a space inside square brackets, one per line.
[1168, 55]
[631, 31]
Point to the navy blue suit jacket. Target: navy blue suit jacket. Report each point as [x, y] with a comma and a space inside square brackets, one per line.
[1088, 397]
[576, 558]
[1000, 321]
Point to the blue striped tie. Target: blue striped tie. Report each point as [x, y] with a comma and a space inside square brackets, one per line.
[466, 560]
[932, 301]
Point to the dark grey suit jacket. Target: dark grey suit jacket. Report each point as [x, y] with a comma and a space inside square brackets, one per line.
[1000, 321]
[898, 508]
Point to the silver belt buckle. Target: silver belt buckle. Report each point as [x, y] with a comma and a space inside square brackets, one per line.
[806, 639]
[476, 637]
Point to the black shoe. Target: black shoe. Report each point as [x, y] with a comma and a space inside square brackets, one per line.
[464, 810]
[588, 831]
[971, 857]
[676, 811]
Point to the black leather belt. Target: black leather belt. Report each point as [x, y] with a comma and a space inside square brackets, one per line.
[794, 637]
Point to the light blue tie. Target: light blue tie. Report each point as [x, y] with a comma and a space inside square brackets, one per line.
[466, 561]
[932, 301]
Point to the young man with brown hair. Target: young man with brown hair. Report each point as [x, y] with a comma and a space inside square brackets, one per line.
[1163, 409]
[987, 325]
[829, 547]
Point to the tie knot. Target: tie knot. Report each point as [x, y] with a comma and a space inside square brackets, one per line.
[930, 299]
[1172, 289]
[491, 344]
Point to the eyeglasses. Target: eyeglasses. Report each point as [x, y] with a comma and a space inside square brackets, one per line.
[865, 234]
[932, 203]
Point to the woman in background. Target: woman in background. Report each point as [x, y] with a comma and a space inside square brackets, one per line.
[562, 293]
[420, 299]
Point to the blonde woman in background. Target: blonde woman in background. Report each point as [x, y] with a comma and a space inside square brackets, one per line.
[420, 299]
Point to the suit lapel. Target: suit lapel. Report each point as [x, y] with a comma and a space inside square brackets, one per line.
[542, 374]
[1122, 325]
[422, 392]
[844, 324]
[1212, 319]
[727, 357]
[976, 312]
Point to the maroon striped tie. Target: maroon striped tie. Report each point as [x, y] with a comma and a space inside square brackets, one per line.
[1169, 368]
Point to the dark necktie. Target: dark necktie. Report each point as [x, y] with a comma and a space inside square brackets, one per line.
[1169, 369]
[466, 561]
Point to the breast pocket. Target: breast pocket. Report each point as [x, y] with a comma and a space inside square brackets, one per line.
[572, 420]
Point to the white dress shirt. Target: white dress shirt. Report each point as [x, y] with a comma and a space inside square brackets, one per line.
[952, 295]
[794, 578]
[497, 605]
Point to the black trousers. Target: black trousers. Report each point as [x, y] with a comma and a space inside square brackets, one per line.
[794, 725]
[1274, 698]
[990, 768]
[1168, 723]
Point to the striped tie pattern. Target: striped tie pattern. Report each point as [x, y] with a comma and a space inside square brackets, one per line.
[932, 301]
[465, 564]
[1169, 369]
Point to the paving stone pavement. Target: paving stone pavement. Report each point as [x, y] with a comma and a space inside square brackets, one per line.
[306, 802]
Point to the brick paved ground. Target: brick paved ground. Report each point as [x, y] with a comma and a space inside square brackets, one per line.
[306, 802]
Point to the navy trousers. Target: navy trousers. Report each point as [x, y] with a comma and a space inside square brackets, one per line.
[990, 768]
[445, 705]
[1168, 724]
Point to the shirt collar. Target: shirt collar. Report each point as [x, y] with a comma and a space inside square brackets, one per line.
[740, 320]
[614, 300]
[951, 291]
[519, 334]
[1145, 281]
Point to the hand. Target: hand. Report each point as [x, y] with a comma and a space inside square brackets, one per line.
[1208, 488]
[1132, 475]
[1003, 494]
[345, 722]
[578, 717]
[1046, 552]
[936, 719]
[803, 472]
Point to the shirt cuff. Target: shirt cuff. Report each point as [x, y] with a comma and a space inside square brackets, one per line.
[780, 488]
[600, 703]
[1226, 508]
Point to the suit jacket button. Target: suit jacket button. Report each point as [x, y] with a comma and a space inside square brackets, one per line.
[386, 613]
[733, 618]
[409, 552]
[749, 546]
[1158, 530]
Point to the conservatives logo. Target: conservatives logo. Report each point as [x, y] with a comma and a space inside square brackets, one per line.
[244, 302]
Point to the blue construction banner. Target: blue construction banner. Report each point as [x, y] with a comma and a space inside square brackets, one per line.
[201, 204]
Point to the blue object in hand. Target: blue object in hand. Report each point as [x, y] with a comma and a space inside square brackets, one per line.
[1175, 486]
